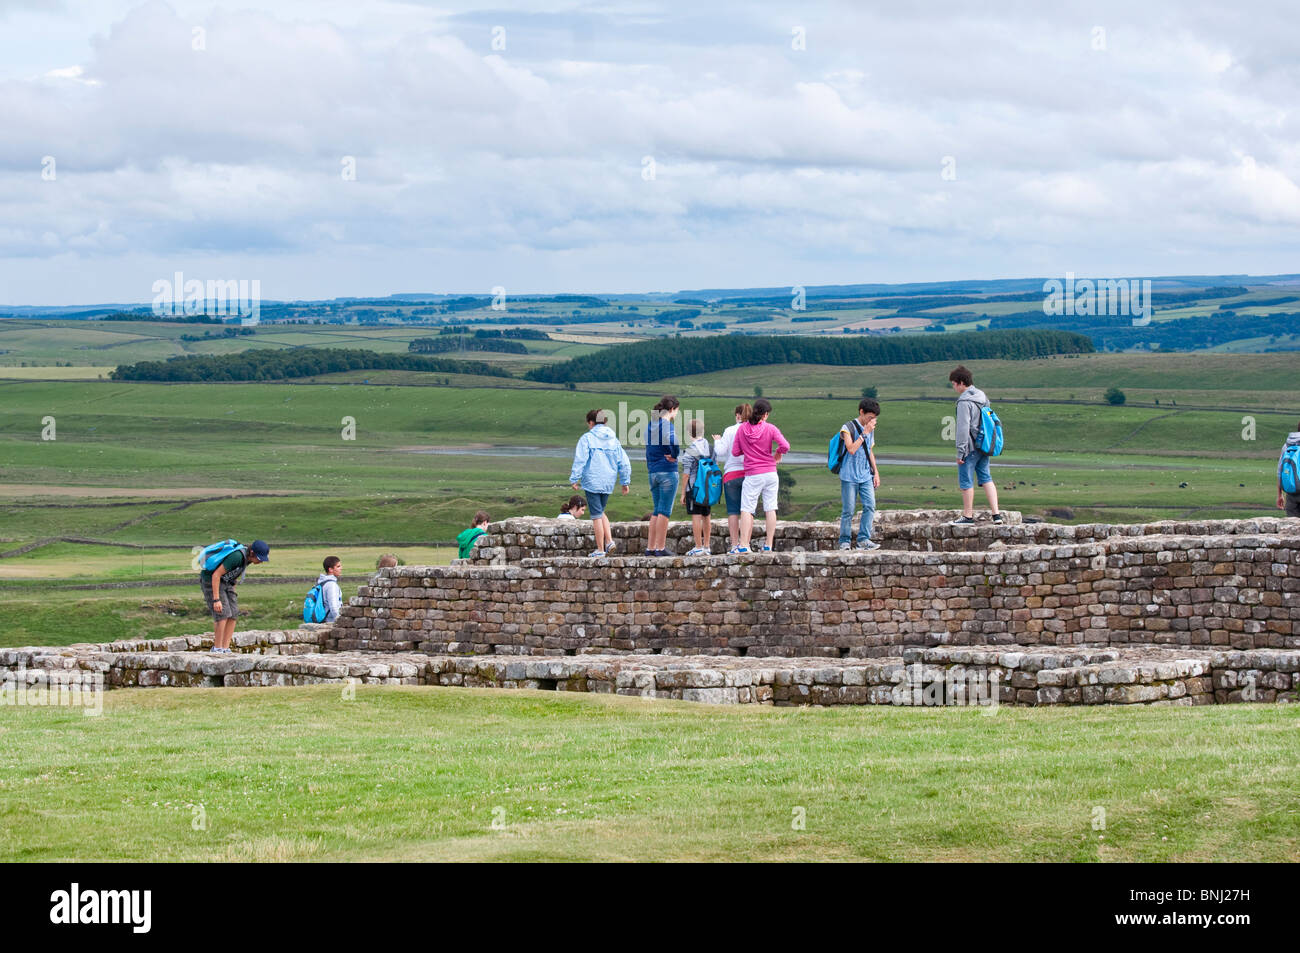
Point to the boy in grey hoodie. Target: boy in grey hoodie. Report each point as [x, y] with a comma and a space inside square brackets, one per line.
[598, 461]
[331, 592]
[1288, 501]
[972, 463]
[701, 520]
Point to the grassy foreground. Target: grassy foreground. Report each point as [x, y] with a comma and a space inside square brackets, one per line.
[424, 774]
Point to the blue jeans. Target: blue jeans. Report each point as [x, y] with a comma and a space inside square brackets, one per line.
[974, 468]
[850, 494]
[663, 490]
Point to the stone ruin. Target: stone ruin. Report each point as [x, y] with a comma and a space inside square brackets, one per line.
[1024, 613]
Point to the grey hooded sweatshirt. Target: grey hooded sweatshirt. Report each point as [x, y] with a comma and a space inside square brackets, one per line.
[969, 403]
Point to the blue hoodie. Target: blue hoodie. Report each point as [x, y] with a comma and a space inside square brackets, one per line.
[599, 461]
[660, 443]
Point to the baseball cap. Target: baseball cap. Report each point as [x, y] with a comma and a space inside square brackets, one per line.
[261, 549]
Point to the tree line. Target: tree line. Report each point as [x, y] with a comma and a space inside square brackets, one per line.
[268, 364]
[442, 345]
[673, 357]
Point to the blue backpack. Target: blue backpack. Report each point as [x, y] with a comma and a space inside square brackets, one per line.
[836, 450]
[1288, 469]
[990, 440]
[708, 483]
[313, 607]
[211, 556]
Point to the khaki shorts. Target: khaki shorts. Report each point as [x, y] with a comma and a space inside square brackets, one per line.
[229, 601]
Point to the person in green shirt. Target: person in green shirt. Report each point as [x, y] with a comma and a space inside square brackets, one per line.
[469, 537]
[218, 587]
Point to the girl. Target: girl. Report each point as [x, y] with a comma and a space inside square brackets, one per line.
[573, 508]
[661, 461]
[733, 472]
[754, 440]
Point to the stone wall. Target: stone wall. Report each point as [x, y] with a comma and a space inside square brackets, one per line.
[1231, 590]
[514, 540]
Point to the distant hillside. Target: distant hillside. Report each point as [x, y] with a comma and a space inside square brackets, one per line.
[675, 357]
[269, 365]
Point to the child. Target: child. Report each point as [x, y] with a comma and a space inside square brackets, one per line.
[859, 477]
[754, 442]
[598, 461]
[469, 538]
[573, 509]
[733, 472]
[701, 524]
[972, 463]
[1288, 501]
[218, 588]
[661, 464]
[331, 592]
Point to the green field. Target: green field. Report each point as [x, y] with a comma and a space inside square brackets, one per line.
[462, 774]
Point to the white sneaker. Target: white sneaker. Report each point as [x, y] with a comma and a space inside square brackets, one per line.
[597, 554]
[845, 546]
[868, 544]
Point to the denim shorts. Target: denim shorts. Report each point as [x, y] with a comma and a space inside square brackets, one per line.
[663, 490]
[731, 491]
[596, 503]
[974, 468]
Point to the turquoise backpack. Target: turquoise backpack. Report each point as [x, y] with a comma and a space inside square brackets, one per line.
[1288, 469]
[211, 556]
[990, 440]
[313, 607]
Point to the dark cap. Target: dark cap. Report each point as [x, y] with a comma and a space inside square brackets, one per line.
[261, 550]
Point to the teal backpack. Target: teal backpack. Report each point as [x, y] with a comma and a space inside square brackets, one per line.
[1288, 469]
[990, 440]
[313, 607]
[211, 556]
[836, 450]
[708, 482]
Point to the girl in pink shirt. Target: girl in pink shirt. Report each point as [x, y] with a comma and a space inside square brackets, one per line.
[753, 441]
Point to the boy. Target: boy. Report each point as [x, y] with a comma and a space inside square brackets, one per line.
[972, 463]
[701, 523]
[469, 537]
[1288, 501]
[859, 477]
[599, 460]
[331, 592]
[218, 588]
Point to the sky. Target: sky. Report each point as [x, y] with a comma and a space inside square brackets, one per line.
[367, 148]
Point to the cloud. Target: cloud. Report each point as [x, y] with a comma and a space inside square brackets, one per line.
[222, 134]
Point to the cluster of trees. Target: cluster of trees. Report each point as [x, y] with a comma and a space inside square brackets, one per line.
[224, 333]
[168, 318]
[271, 364]
[674, 315]
[672, 357]
[521, 334]
[442, 345]
[1118, 333]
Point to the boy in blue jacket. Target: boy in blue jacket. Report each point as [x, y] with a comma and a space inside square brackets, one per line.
[598, 462]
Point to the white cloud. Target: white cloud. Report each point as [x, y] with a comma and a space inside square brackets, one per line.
[472, 162]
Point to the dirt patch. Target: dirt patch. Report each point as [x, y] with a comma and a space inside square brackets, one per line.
[883, 324]
[146, 492]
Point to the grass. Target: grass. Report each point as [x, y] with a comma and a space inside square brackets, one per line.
[424, 773]
[48, 615]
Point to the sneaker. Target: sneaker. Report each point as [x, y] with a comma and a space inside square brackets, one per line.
[214, 650]
[596, 554]
[997, 518]
[699, 551]
[868, 544]
[738, 551]
[963, 521]
[845, 546]
[767, 549]
[609, 547]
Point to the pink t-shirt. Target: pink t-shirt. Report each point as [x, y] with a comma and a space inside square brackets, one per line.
[754, 443]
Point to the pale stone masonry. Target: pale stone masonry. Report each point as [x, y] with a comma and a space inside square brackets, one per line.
[1173, 613]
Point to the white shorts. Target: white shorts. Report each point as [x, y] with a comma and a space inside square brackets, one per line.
[760, 483]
